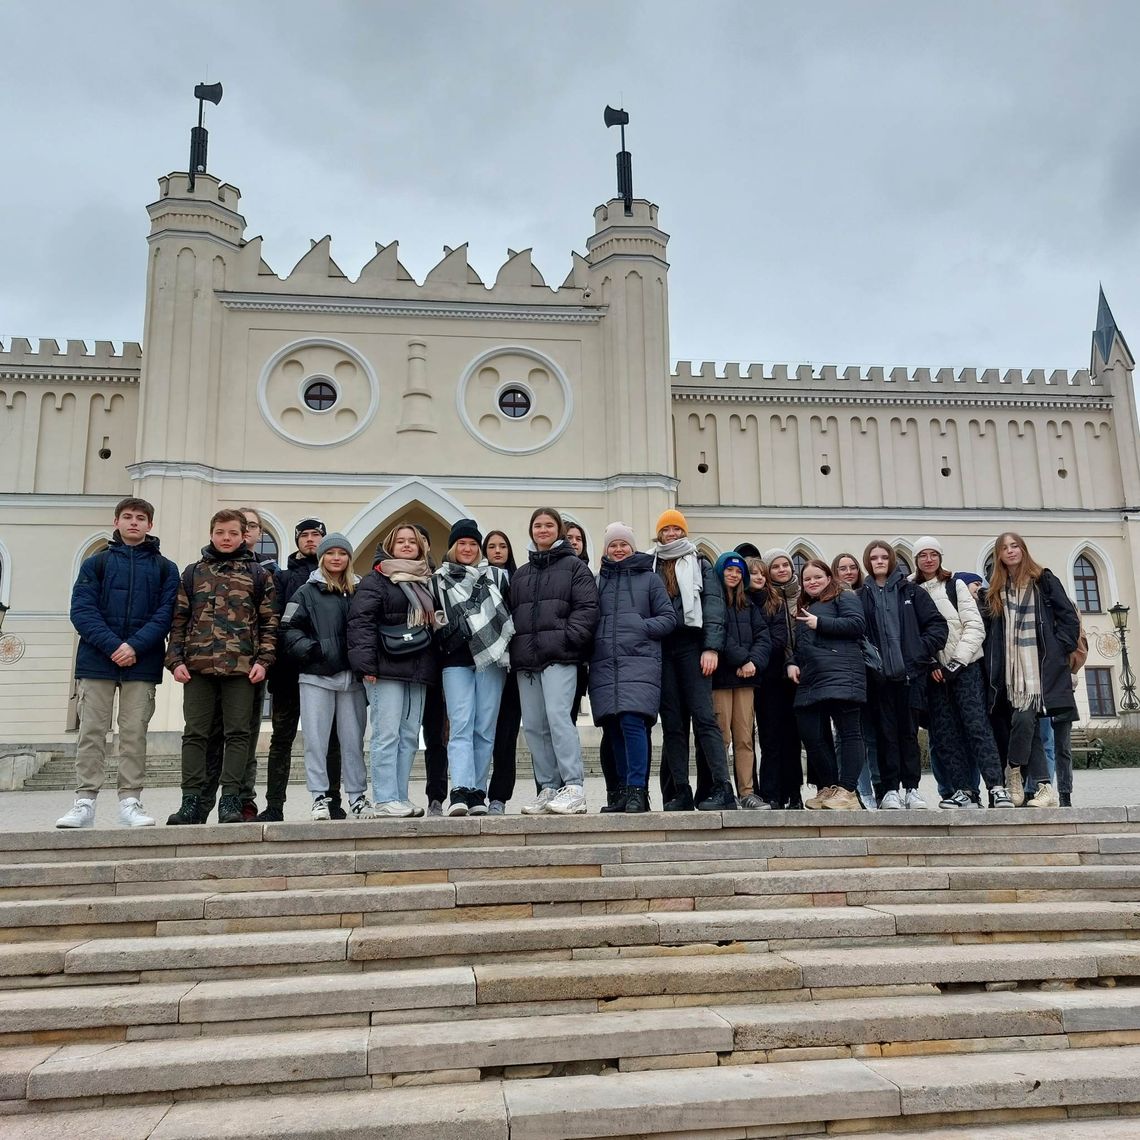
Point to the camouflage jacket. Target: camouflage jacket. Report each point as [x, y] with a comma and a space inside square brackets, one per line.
[225, 619]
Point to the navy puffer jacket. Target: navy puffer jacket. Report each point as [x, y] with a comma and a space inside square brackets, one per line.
[747, 638]
[554, 603]
[636, 614]
[829, 658]
[124, 593]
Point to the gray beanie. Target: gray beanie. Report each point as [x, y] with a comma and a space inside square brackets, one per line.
[336, 540]
[776, 552]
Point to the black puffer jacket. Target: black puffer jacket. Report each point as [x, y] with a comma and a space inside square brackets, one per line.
[287, 581]
[314, 628]
[747, 638]
[1058, 628]
[554, 603]
[711, 634]
[625, 670]
[829, 658]
[378, 602]
[777, 624]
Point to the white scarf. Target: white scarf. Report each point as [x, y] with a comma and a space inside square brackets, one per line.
[690, 581]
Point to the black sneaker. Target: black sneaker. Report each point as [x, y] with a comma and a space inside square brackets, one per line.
[271, 814]
[682, 801]
[615, 800]
[476, 802]
[636, 800]
[458, 802]
[188, 812]
[336, 810]
[721, 799]
[1066, 799]
[796, 803]
[205, 806]
[229, 810]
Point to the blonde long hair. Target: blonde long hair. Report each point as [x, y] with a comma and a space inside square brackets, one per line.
[1027, 573]
[404, 524]
[342, 583]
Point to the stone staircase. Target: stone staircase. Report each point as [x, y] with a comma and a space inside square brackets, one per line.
[921, 974]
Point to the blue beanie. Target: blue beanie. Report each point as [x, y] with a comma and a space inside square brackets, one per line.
[730, 558]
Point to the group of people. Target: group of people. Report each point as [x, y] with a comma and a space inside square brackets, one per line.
[842, 662]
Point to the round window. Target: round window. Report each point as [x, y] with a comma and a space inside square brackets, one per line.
[514, 402]
[320, 395]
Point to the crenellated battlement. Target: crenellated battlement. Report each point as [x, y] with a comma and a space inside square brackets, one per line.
[48, 361]
[737, 380]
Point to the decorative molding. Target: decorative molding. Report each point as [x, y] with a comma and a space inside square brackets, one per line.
[529, 354]
[47, 376]
[39, 501]
[203, 473]
[376, 307]
[1001, 517]
[5, 575]
[1027, 402]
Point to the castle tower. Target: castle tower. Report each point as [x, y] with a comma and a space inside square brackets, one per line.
[195, 237]
[628, 276]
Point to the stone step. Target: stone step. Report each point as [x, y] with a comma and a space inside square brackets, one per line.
[727, 1101]
[577, 985]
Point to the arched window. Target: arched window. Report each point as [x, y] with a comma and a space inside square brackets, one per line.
[988, 568]
[1086, 586]
[904, 561]
[800, 558]
[266, 546]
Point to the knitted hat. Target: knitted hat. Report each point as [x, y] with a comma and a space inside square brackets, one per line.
[464, 528]
[731, 558]
[927, 543]
[308, 524]
[672, 517]
[969, 578]
[618, 530]
[334, 541]
[776, 552]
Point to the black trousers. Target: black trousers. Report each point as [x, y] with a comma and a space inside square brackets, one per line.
[896, 734]
[686, 698]
[435, 744]
[781, 769]
[815, 723]
[504, 754]
[286, 691]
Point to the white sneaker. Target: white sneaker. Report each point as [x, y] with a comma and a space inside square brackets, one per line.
[413, 811]
[913, 801]
[361, 808]
[131, 813]
[1044, 797]
[892, 801]
[82, 814]
[541, 805]
[396, 808]
[321, 809]
[570, 801]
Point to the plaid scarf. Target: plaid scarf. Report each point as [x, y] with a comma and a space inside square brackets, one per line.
[1022, 666]
[473, 601]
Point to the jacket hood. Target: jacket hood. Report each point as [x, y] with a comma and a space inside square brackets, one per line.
[150, 542]
[634, 564]
[211, 554]
[561, 549]
[297, 560]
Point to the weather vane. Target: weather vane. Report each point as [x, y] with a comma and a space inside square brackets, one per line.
[615, 117]
[204, 93]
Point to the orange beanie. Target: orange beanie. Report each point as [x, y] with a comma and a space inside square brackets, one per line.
[672, 517]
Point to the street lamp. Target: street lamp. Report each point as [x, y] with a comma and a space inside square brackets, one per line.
[1129, 702]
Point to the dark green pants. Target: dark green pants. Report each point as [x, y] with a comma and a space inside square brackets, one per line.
[234, 697]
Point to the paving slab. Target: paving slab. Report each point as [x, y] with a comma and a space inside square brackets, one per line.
[497, 892]
[1098, 1128]
[942, 918]
[237, 866]
[86, 912]
[836, 880]
[633, 977]
[975, 843]
[1118, 844]
[25, 958]
[1045, 878]
[186, 952]
[135, 1123]
[522, 855]
[689, 1099]
[199, 1062]
[338, 900]
[940, 963]
[492, 1042]
[254, 998]
[477, 1113]
[489, 936]
[759, 925]
[56, 874]
[963, 1082]
[717, 849]
[87, 1007]
[18, 1061]
[852, 1021]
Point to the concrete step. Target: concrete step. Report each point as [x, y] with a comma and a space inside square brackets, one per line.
[794, 1098]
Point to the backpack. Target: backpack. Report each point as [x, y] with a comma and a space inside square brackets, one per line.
[1079, 655]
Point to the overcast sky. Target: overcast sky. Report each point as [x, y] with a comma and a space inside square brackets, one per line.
[874, 183]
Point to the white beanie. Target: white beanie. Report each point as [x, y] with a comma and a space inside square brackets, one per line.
[774, 553]
[615, 531]
[927, 542]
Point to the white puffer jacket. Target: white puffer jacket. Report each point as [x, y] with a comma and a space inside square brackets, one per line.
[967, 631]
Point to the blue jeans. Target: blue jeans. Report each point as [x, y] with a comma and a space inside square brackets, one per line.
[396, 712]
[869, 775]
[472, 698]
[1049, 744]
[629, 736]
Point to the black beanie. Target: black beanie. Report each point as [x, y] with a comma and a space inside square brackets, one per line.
[464, 528]
[308, 524]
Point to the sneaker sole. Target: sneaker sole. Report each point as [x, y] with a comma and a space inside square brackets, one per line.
[568, 810]
[74, 826]
[457, 810]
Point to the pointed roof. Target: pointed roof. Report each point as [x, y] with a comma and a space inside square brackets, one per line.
[1106, 332]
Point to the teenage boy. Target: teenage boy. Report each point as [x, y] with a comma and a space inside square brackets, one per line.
[121, 606]
[221, 642]
[285, 686]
